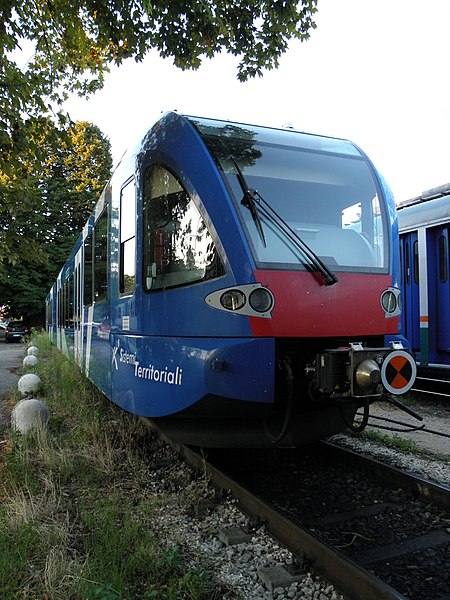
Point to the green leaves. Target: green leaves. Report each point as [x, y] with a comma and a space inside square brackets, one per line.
[49, 50]
[257, 31]
[45, 199]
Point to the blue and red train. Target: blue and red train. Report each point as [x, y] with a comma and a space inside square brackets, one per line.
[424, 224]
[236, 285]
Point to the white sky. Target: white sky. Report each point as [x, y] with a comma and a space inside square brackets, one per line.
[376, 72]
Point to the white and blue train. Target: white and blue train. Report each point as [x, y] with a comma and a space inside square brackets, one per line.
[424, 225]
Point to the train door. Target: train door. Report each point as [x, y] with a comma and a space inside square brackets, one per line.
[442, 290]
[409, 247]
[78, 309]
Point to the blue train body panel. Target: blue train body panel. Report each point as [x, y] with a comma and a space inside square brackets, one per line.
[157, 376]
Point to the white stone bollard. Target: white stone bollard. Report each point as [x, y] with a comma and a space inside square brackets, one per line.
[28, 414]
[28, 383]
[33, 351]
[30, 361]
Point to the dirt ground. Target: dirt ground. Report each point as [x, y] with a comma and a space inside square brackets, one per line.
[436, 420]
[11, 356]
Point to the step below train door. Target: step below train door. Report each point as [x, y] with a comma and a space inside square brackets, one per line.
[78, 308]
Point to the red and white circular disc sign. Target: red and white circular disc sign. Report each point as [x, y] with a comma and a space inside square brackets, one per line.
[398, 372]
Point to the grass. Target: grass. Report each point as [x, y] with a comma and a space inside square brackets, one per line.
[403, 444]
[75, 505]
[392, 441]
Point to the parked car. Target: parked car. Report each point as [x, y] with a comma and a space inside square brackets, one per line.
[15, 330]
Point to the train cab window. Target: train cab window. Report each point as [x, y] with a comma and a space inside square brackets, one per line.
[128, 238]
[178, 248]
[322, 191]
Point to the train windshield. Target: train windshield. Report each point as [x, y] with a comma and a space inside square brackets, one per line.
[322, 191]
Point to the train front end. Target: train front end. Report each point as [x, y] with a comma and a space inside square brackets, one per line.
[292, 325]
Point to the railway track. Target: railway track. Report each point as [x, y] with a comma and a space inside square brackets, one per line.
[372, 531]
[432, 387]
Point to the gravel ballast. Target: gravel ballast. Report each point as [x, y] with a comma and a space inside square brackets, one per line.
[237, 567]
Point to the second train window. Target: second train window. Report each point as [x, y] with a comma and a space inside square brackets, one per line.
[178, 248]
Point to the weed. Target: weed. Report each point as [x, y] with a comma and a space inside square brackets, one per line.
[392, 441]
[76, 512]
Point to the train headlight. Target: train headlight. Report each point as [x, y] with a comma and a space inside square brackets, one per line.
[232, 300]
[390, 302]
[261, 300]
[249, 299]
[367, 374]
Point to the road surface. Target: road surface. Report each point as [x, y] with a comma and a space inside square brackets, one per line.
[11, 356]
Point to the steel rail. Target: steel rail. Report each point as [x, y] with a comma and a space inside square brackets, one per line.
[349, 577]
[429, 491]
[355, 582]
[432, 387]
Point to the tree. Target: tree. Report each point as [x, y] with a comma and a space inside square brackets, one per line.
[74, 176]
[59, 193]
[72, 44]
[69, 47]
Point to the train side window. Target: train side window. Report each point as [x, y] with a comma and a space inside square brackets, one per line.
[416, 261]
[68, 286]
[58, 301]
[178, 248]
[101, 256]
[443, 260]
[49, 312]
[407, 264]
[62, 297]
[127, 278]
[88, 279]
[402, 261]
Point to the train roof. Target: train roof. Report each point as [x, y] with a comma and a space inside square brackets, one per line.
[432, 207]
[208, 127]
[271, 135]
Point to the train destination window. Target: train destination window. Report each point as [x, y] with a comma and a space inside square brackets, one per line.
[321, 189]
[128, 238]
[178, 248]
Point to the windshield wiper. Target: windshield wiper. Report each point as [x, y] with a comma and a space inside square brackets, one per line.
[256, 204]
[249, 200]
